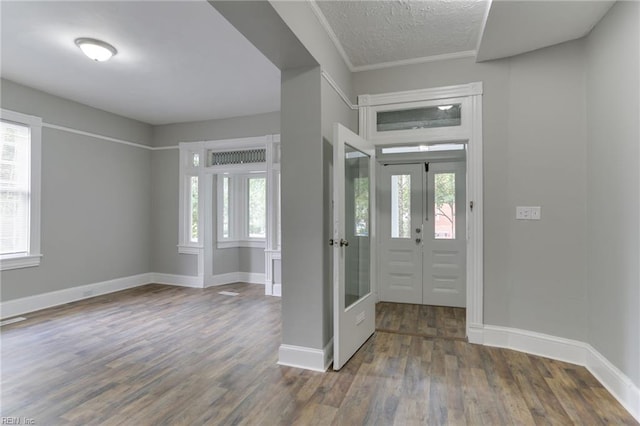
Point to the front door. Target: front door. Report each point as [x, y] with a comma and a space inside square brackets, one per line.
[353, 196]
[423, 233]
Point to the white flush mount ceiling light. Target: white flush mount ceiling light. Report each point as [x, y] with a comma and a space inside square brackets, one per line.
[96, 50]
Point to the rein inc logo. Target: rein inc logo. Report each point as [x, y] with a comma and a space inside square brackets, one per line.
[17, 421]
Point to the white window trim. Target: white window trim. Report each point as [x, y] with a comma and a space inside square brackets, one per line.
[239, 212]
[188, 170]
[33, 256]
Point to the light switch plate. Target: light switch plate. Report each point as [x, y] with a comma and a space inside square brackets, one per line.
[528, 212]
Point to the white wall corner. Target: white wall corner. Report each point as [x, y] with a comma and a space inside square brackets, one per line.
[571, 351]
[475, 334]
[251, 277]
[306, 358]
[616, 382]
[234, 277]
[328, 354]
[177, 280]
[24, 305]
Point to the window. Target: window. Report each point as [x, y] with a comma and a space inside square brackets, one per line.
[445, 206]
[401, 206]
[193, 219]
[256, 207]
[242, 204]
[19, 190]
[419, 118]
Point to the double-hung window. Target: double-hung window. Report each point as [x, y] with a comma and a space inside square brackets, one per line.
[20, 143]
[242, 205]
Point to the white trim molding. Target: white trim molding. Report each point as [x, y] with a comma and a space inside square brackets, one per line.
[31, 257]
[332, 35]
[271, 287]
[338, 90]
[177, 280]
[307, 358]
[571, 351]
[444, 92]
[234, 277]
[37, 302]
[413, 61]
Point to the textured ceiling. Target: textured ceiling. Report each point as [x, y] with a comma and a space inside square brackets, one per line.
[177, 61]
[375, 32]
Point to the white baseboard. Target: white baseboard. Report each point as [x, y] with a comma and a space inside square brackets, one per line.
[234, 277]
[616, 382]
[567, 350]
[24, 305]
[307, 358]
[276, 290]
[177, 280]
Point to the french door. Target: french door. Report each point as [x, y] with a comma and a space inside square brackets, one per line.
[353, 215]
[423, 233]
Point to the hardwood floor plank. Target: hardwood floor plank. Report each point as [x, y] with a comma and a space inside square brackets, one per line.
[157, 355]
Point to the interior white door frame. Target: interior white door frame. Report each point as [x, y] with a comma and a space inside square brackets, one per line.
[471, 132]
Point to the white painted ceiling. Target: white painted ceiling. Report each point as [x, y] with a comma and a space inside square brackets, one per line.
[515, 27]
[181, 61]
[381, 33]
[177, 61]
[375, 33]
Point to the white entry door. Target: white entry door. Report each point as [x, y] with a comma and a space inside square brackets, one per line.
[353, 196]
[400, 195]
[423, 234]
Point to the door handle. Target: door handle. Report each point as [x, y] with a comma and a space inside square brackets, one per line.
[343, 242]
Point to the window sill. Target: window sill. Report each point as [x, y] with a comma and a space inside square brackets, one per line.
[189, 249]
[231, 244]
[18, 262]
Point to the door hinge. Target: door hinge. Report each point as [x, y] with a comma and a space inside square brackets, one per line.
[426, 167]
[471, 205]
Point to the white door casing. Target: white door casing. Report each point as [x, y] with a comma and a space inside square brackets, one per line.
[353, 300]
[471, 132]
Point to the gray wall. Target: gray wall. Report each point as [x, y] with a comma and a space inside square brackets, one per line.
[95, 196]
[613, 237]
[304, 310]
[534, 152]
[164, 200]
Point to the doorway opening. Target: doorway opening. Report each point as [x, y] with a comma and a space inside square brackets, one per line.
[421, 199]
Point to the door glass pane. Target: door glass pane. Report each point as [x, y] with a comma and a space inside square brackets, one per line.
[358, 214]
[257, 204]
[445, 205]
[401, 206]
[419, 118]
[361, 203]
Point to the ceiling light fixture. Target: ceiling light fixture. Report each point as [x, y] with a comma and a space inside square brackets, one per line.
[445, 107]
[96, 50]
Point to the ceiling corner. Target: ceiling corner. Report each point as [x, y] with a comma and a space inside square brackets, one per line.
[332, 35]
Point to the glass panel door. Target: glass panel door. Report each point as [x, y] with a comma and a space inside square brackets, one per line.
[353, 225]
[357, 217]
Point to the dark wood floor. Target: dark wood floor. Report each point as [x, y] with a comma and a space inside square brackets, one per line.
[162, 355]
[421, 320]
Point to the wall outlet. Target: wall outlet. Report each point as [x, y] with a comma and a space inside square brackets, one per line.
[528, 212]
